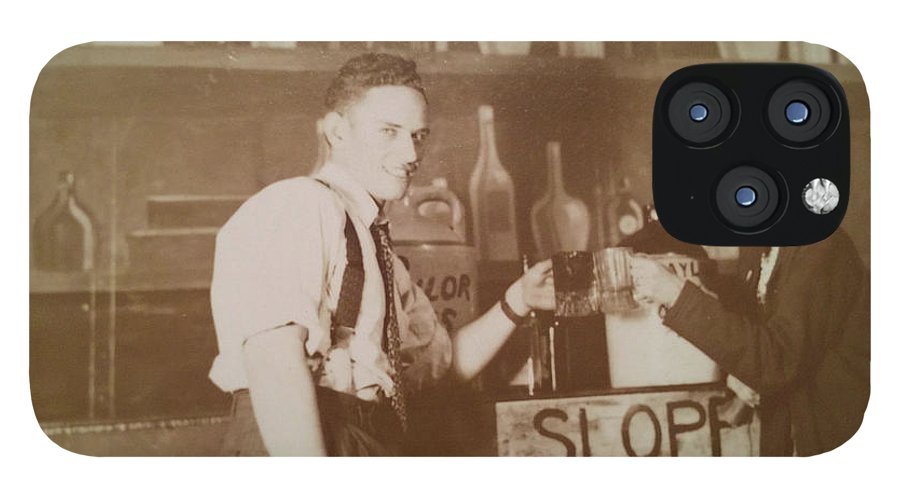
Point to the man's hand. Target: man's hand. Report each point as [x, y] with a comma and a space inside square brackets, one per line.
[476, 343]
[653, 282]
[534, 290]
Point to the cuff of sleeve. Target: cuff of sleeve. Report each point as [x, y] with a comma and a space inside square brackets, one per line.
[687, 309]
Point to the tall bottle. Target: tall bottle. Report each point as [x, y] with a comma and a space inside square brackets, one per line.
[559, 222]
[599, 193]
[624, 216]
[492, 196]
[63, 237]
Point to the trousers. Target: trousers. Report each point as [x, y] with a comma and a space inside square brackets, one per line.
[350, 426]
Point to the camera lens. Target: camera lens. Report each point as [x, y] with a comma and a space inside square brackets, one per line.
[799, 112]
[699, 113]
[747, 198]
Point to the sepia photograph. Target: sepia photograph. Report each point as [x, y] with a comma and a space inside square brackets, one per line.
[442, 249]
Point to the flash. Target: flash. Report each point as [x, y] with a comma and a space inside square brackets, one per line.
[820, 196]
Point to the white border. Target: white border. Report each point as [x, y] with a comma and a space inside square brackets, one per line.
[866, 35]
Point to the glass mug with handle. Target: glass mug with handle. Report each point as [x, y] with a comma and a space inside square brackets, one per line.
[589, 283]
[613, 268]
[575, 284]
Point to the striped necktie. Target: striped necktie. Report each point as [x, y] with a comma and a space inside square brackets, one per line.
[391, 338]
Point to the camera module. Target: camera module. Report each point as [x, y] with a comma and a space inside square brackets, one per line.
[751, 153]
[700, 114]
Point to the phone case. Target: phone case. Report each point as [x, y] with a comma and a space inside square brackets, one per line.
[141, 152]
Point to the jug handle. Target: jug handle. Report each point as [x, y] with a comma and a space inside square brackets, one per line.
[448, 198]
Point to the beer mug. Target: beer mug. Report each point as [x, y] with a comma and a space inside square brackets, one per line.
[613, 266]
[575, 284]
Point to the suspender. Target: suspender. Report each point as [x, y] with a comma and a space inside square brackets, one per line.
[343, 322]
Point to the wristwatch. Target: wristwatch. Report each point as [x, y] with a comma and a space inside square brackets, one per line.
[510, 313]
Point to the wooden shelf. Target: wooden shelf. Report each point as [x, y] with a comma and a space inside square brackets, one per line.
[43, 282]
[302, 59]
[305, 59]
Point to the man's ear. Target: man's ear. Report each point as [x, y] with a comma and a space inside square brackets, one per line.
[334, 126]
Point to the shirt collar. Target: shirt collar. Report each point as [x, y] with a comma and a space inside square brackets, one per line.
[358, 200]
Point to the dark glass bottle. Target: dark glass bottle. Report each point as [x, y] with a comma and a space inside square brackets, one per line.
[599, 195]
[624, 215]
[63, 238]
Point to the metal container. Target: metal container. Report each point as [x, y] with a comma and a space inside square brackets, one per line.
[428, 230]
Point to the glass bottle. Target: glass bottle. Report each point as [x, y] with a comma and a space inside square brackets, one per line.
[559, 222]
[492, 196]
[63, 237]
[624, 215]
[599, 193]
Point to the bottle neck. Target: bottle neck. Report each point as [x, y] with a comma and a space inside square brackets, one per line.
[599, 189]
[487, 149]
[64, 193]
[554, 170]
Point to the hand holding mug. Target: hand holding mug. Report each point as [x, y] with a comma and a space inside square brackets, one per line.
[654, 282]
[537, 286]
[534, 290]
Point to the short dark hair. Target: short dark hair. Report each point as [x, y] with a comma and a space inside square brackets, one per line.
[370, 70]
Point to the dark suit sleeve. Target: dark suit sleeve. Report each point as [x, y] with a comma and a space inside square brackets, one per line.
[811, 297]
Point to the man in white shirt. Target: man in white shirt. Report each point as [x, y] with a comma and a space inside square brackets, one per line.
[322, 334]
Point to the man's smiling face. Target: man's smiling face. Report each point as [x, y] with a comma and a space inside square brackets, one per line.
[384, 135]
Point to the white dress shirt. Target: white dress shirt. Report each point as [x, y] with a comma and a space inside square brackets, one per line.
[280, 260]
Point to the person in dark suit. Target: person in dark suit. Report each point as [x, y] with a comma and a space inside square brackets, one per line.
[793, 326]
